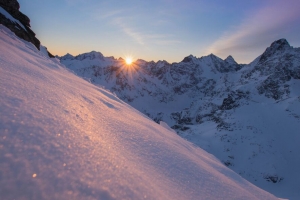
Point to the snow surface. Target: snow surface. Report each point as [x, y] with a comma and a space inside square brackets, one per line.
[64, 138]
[262, 143]
[44, 50]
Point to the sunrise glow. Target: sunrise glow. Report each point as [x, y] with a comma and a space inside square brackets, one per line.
[128, 60]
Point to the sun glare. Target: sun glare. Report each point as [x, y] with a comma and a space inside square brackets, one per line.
[128, 60]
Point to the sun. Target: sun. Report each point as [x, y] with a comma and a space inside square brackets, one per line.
[128, 60]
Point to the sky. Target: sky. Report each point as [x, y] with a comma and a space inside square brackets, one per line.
[164, 29]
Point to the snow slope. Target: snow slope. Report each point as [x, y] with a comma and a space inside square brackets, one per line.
[64, 138]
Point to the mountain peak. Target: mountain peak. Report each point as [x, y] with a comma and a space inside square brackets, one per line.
[188, 58]
[213, 55]
[91, 55]
[230, 60]
[280, 45]
[67, 57]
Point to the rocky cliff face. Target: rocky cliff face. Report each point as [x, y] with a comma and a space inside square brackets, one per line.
[17, 22]
[12, 7]
[246, 115]
[278, 64]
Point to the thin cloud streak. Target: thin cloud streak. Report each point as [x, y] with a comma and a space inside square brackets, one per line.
[141, 38]
[269, 23]
[136, 36]
[111, 14]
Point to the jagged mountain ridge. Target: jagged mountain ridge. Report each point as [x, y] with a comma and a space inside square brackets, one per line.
[170, 81]
[177, 77]
[191, 77]
[205, 99]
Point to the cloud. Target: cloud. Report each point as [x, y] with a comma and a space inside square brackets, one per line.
[139, 25]
[135, 35]
[143, 38]
[111, 14]
[258, 30]
[138, 37]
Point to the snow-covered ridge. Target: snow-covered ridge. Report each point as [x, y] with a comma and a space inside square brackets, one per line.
[64, 138]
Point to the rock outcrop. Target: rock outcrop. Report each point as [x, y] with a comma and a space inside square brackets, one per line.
[21, 29]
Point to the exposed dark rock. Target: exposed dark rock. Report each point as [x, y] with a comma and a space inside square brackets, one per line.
[187, 59]
[50, 54]
[273, 89]
[233, 100]
[180, 127]
[230, 60]
[12, 7]
[273, 178]
[231, 65]
[228, 163]
[229, 103]
[158, 118]
[276, 47]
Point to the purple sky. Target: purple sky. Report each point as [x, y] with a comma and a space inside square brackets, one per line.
[164, 29]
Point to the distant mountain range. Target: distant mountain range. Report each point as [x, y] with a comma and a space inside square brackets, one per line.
[247, 115]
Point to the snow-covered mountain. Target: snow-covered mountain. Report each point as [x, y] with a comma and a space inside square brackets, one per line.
[64, 138]
[248, 116]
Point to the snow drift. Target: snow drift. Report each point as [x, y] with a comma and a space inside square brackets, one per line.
[64, 138]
